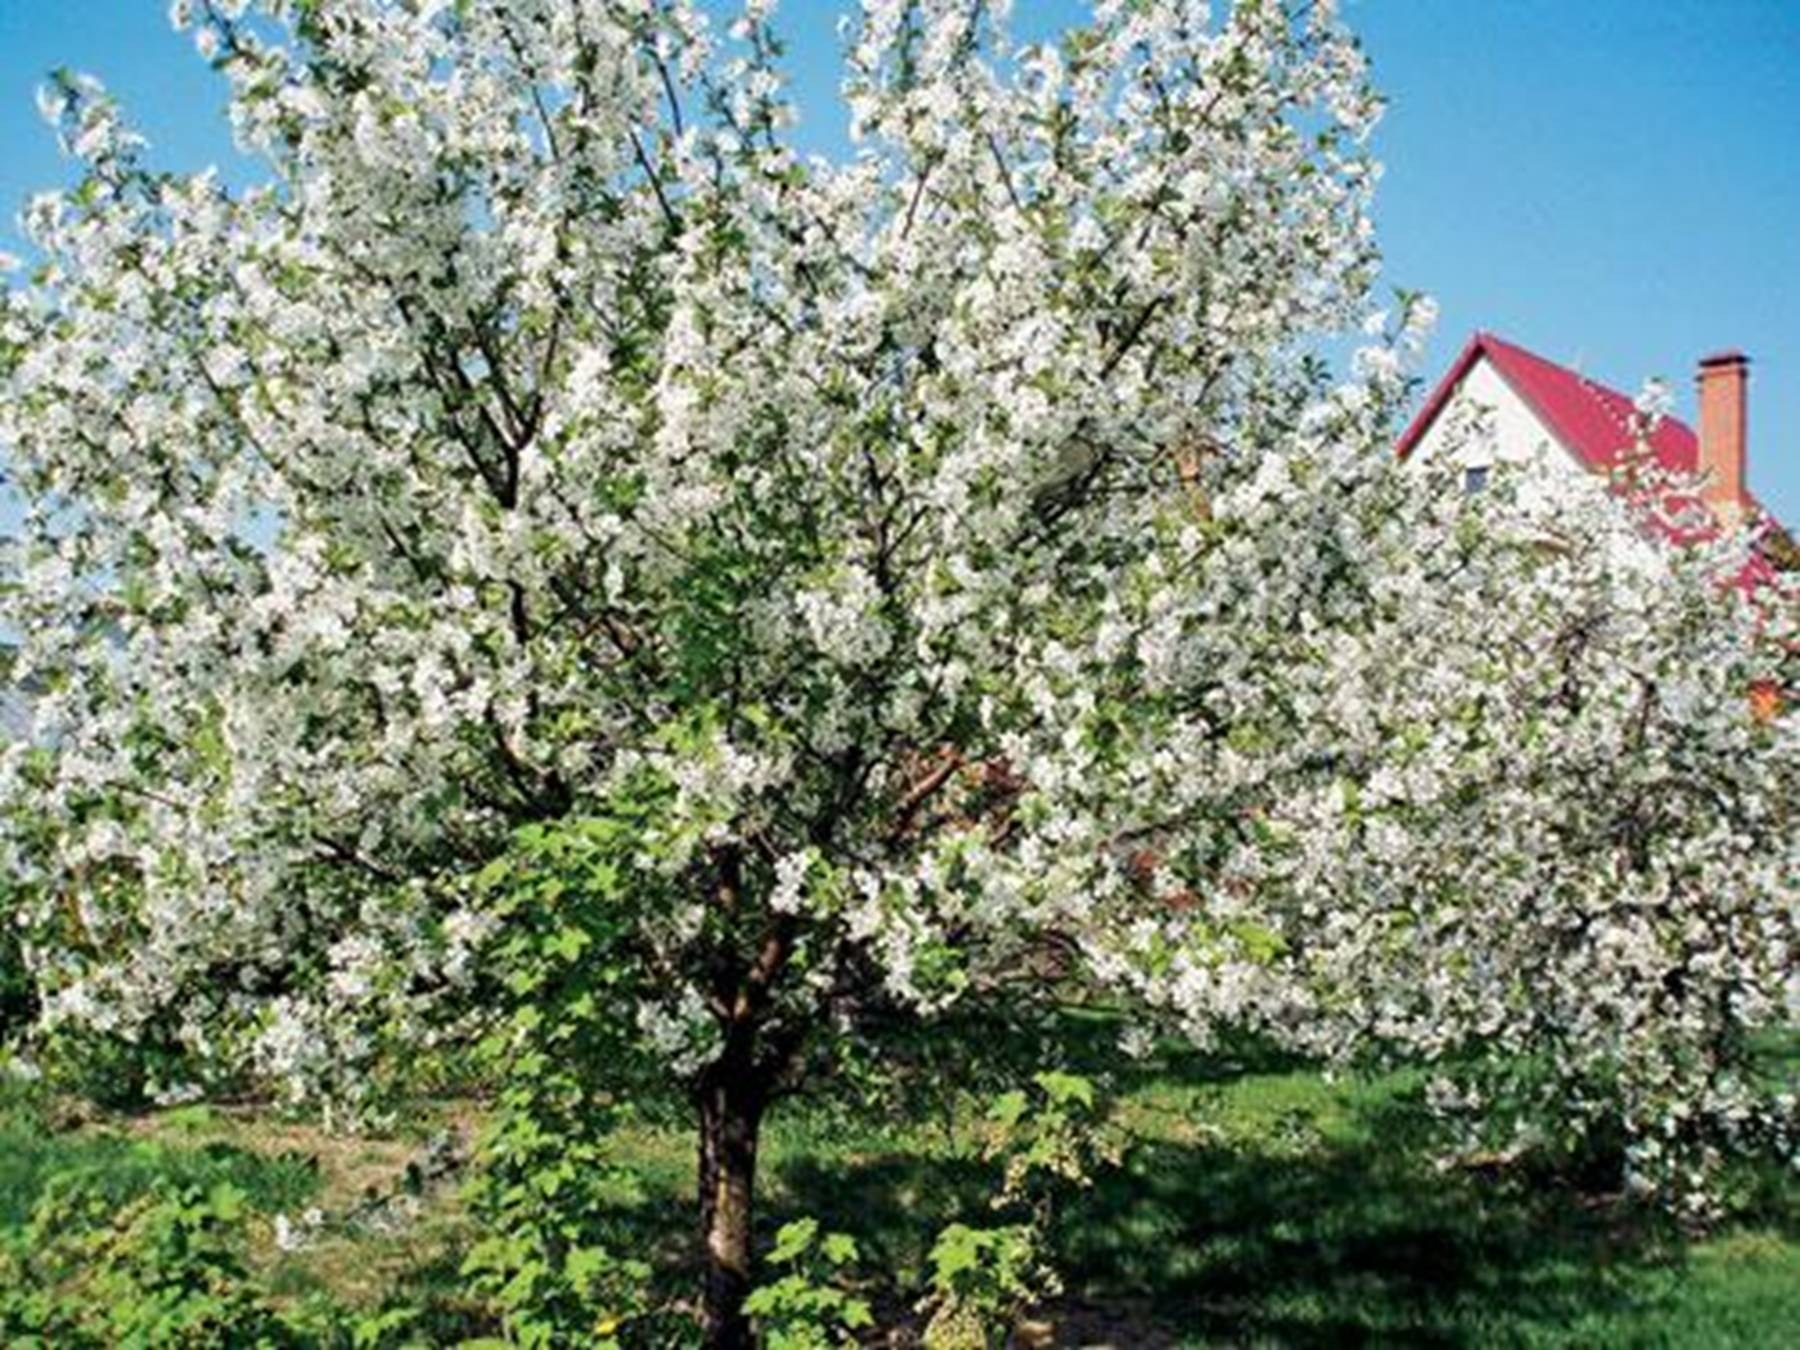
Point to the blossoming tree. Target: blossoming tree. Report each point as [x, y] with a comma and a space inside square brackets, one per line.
[961, 544]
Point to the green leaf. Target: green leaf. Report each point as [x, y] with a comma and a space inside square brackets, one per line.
[1063, 1088]
[584, 1264]
[569, 943]
[1008, 1108]
[227, 1202]
[957, 1249]
[793, 1240]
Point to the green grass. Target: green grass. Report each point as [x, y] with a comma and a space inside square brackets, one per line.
[1277, 1208]
[190, 1146]
[1260, 1206]
[1311, 1215]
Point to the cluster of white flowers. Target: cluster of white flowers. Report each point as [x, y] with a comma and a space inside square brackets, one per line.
[964, 533]
[293, 1235]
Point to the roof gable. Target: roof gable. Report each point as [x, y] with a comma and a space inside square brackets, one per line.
[1596, 424]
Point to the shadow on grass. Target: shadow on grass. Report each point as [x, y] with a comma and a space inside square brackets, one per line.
[1334, 1248]
[1341, 1236]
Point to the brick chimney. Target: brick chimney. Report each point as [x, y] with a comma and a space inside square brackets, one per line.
[1724, 432]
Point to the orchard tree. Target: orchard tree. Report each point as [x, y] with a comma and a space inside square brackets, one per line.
[954, 565]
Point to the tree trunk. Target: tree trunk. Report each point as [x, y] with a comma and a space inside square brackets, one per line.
[731, 1111]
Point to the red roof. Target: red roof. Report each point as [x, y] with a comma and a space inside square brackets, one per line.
[1594, 423]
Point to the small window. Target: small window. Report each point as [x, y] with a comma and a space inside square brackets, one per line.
[1475, 478]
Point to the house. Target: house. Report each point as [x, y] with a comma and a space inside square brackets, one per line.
[1532, 409]
[1499, 403]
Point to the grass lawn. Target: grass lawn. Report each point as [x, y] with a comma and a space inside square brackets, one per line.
[1256, 1208]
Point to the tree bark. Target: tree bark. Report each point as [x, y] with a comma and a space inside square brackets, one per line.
[731, 1111]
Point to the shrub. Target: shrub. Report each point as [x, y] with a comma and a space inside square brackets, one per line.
[162, 1271]
[807, 1307]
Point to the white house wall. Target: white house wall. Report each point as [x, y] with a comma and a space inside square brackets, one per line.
[1509, 431]
[1486, 422]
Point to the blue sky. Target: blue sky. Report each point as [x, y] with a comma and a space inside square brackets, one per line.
[1613, 183]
